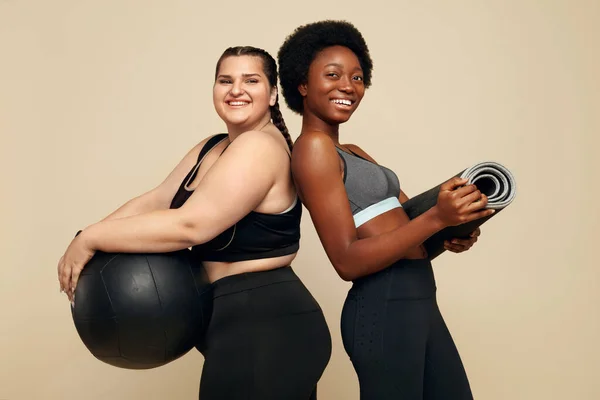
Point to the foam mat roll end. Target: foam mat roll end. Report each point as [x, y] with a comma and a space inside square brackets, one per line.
[491, 178]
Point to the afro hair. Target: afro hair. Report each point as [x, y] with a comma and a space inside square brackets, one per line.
[302, 46]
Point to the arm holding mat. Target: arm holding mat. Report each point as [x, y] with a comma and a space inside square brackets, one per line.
[492, 179]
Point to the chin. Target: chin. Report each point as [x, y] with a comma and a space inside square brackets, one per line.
[235, 120]
[339, 118]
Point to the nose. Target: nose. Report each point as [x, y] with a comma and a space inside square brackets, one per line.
[236, 89]
[345, 85]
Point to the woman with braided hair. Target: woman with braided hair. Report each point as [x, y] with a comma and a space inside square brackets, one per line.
[232, 200]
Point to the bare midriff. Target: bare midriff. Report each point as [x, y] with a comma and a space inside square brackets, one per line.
[387, 222]
[218, 269]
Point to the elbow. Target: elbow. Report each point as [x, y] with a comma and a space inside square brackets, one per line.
[192, 235]
[190, 232]
[191, 238]
[199, 229]
[345, 272]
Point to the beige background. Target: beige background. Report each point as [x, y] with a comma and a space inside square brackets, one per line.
[99, 100]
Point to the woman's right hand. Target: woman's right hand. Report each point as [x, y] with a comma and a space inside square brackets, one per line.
[459, 203]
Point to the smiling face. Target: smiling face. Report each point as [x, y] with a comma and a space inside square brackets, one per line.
[242, 95]
[334, 87]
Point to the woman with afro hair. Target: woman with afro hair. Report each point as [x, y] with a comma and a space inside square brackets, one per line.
[391, 326]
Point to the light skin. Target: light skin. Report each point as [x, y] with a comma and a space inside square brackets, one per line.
[253, 174]
[333, 91]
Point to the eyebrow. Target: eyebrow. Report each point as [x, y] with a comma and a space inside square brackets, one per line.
[341, 66]
[243, 75]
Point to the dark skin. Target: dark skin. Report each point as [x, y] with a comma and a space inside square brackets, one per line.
[335, 78]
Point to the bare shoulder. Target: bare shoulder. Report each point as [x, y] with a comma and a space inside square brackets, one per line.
[255, 150]
[252, 140]
[311, 142]
[314, 159]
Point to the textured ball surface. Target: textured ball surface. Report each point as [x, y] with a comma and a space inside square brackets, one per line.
[141, 311]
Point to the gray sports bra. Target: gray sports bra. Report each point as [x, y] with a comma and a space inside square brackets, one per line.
[372, 189]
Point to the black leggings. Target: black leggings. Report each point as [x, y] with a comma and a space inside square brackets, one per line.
[396, 337]
[267, 339]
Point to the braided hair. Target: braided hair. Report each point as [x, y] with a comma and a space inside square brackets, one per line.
[270, 70]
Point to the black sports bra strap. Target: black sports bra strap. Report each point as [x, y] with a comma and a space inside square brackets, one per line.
[212, 142]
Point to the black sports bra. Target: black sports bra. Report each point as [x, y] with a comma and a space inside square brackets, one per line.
[255, 236]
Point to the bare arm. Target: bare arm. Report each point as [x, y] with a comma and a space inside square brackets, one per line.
[315, 165]
[235, 185]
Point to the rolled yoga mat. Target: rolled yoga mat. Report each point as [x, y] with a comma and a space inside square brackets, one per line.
[492, 179]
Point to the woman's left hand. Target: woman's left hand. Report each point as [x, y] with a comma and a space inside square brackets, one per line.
[460, 245]
[71, 264]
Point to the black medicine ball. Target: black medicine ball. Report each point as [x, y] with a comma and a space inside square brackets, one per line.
[141, 311]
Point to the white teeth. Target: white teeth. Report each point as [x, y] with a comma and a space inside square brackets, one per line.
[342, 101]
[238, 103]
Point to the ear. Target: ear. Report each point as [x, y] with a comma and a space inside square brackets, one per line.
[273, 98]
[302, 89]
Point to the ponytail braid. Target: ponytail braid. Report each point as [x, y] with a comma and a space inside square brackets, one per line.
[270, 70]
[280, 123]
